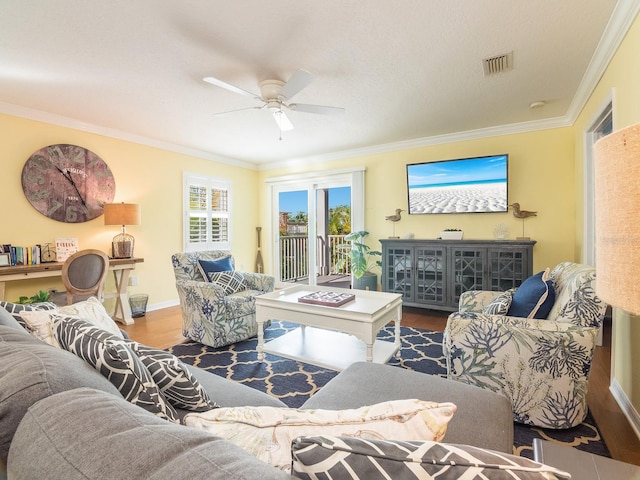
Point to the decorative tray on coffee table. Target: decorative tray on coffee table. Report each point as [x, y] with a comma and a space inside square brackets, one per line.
[327, 299]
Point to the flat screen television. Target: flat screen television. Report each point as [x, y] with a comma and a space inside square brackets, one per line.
[464, 185]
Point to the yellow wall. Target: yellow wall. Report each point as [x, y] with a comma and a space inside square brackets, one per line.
[541, 169]
[148, 176]
[622, 77]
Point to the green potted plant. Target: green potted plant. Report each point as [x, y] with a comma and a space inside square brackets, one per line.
[362, 260]
[39, 297]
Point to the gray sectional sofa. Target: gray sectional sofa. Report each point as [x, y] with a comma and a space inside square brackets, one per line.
[60, 418]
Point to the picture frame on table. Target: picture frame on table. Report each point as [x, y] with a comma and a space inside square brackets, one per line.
[5, 259]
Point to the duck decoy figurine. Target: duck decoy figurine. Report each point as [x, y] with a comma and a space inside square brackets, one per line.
[521, 213]
[394, 218]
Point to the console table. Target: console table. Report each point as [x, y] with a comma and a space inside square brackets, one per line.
[121, 268]
[434, 273]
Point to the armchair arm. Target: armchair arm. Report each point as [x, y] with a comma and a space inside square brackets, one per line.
[476, 300]
[259, 281]
[190, 288]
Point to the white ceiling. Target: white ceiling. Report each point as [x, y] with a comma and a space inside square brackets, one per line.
[407, 72]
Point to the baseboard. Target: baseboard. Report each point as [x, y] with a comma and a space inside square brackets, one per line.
[625, 405]
[159, 306]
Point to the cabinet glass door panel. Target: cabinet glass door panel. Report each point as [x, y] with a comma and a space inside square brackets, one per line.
[468, 270]
[430, 275]
[398, 265]
[508, 268]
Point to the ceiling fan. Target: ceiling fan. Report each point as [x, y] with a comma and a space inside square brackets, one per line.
[275, 95]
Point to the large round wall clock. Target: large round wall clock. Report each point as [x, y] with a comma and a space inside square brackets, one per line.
[68, 183]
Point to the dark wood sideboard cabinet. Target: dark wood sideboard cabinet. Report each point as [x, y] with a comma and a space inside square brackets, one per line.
[434, 273]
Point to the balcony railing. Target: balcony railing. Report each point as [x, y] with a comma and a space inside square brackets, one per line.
[294, 256]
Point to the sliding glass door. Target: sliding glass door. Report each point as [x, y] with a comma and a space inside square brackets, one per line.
[310, 218]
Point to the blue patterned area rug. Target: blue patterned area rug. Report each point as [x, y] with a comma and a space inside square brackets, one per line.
[293, 382]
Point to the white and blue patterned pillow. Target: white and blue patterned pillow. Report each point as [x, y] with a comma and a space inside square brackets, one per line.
[500, 305]
[173, 378]
[231, 282]
[116, 362]
[349, 458]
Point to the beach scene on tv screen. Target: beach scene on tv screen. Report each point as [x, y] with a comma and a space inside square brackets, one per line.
[473, 185]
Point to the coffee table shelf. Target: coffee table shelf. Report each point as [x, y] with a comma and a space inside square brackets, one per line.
[332, 337]
[334, 350]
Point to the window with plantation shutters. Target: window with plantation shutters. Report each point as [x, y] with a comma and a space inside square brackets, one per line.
[206, 213]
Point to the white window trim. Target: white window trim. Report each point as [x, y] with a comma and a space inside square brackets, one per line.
[209, 182]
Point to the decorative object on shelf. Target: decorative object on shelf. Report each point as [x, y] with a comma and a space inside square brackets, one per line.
[67, 183]
[394, 218]
[122, 214]
[451, 234]
[361, 258]
[522, 214]
[409, 235]
[65, 247]
[617, 200]
[500, 231]
[259, 263]
[47, 254]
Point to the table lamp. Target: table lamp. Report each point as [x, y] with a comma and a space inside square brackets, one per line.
[617, 207]
[122, 214]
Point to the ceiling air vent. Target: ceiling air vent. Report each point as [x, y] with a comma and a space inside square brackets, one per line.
[498, 64]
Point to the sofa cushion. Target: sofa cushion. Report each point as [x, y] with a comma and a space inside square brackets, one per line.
[116, 362]
[206, 267]
[31, 370]
[173, 378]
[267, 432]
[354, 458]
[534, 298]
[365, 383]
[112, 439]
[40, 322]
[500, 305]
[231, 282]
[15, 308]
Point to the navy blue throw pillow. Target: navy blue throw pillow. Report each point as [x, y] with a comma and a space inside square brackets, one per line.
[534, 298]
[211, 266]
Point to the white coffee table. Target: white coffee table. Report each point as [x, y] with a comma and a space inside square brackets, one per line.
[331, 337]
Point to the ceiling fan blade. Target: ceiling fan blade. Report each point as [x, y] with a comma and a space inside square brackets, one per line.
[299, 80]
[237, 110]
[232, 88]
[282, 120]
[320, 109]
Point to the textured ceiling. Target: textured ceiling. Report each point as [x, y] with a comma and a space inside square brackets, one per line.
[404, 71]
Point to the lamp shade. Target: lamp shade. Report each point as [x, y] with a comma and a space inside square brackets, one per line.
[121, 214]
[617, 225]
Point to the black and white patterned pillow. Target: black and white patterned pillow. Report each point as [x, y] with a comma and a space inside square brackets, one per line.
[231, 282]
[173, 378]
[15, 308]
[358, 458]
[116, 362]
[500, 305]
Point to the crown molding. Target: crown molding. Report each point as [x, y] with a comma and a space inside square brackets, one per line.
[62, 121]
[510, 129]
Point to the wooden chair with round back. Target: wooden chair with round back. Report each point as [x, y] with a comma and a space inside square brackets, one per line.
[84, 274]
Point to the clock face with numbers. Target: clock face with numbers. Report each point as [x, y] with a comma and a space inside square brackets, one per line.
[68, 183]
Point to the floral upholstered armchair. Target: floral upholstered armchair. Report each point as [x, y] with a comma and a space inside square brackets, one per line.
[541, 365]
[220, 311]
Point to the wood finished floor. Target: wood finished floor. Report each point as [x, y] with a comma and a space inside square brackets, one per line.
[163, 328]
